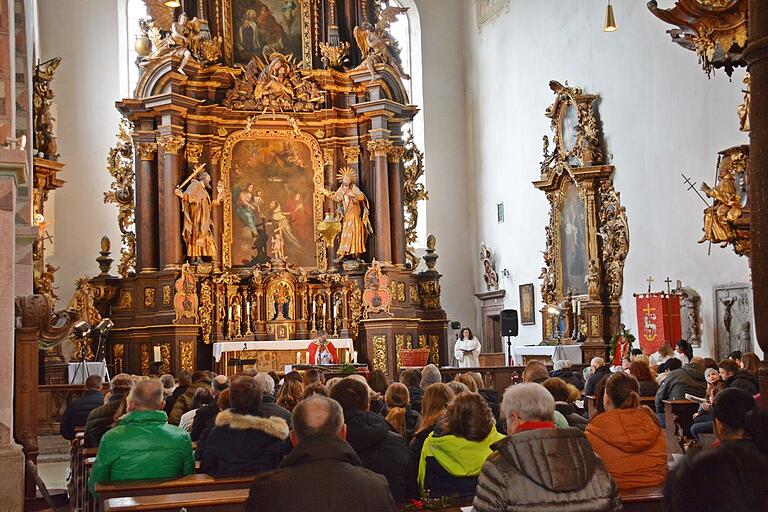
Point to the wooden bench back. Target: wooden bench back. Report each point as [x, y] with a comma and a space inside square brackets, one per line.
[231, 500]
[648, 499]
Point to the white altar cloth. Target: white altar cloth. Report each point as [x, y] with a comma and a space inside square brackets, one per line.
[571, 352]
[237, 346]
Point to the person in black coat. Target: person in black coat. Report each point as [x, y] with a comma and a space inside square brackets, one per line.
[379, 446]
[735, 377]
[241, 442]
[78, 410]
[207, 413]
[185, 379]
[599, 372]
[322, 473]
[562, 370]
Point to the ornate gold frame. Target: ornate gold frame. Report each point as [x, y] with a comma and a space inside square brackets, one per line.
[306, 33]
[226, 167]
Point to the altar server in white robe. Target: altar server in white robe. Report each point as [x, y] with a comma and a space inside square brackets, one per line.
[467, 349]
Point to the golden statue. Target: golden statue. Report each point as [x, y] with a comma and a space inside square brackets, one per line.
[196, 204]
[83, 301]
[725, 209]
[353, 206]
[44, 284]
[377, 46]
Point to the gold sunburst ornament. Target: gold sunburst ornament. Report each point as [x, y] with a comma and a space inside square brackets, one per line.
[346, 171]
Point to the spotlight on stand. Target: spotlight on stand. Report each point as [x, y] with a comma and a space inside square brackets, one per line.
[101, 330]
[81, 329]
[103, 327]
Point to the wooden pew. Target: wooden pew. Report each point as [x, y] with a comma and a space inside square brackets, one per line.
[231, 500]
[647, 499]
[680, 413]
[192, 483]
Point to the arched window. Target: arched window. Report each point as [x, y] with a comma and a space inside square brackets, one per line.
[129, 13]
[407, 30]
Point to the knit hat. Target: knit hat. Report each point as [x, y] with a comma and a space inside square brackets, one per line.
[709, 371]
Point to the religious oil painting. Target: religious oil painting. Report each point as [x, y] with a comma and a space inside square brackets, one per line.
[527, 306]
[272, 187]
[266, 25]
[733, 317]
[573, 241]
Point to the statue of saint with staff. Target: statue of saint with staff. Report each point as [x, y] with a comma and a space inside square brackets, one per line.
[196, 205]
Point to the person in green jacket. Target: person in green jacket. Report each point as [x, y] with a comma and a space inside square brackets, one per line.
[143, 445]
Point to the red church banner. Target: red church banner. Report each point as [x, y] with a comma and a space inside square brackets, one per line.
[658, 320]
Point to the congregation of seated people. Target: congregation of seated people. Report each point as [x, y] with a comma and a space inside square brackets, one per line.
[353, 443]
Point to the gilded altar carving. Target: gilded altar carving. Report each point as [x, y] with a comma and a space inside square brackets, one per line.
[205, 312]
[334, 56]
[149, 297]
[146, 150]
[376, 44]
[186, 39]
[187, 348]
[83, 301]
[329, 155]
[45, 144]
[376, 295]
[614, 238]
[355, 213]
[715, 29]
[743, 109]
[726, 221]
[193, 152]
[434, 349]
[118, 353]
[413, 293]
[215, 156]
[120, 164]
[171, 143]
[144, 358]
[351, 154]
[274, 84]
[379, 148]
[576, 134]
[355, 311]
[125, 302]
[396, 154]
[380, 353]
[44, 283]
[488, 267]
[166, 294]
[165, 358]
[429, 293]
[413, 192]
[197, 206]
[399, 345]
[185, 301]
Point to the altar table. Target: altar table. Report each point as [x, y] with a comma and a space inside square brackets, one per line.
[544, 353]
[271, 355]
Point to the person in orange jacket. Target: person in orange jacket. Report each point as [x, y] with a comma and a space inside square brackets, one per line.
[627, 437]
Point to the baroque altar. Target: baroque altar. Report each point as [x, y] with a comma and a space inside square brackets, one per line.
[268, 193]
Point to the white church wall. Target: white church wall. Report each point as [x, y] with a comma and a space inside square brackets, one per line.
[660, 115]
[85, 34]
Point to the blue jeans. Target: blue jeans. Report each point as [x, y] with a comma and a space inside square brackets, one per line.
[702, 427]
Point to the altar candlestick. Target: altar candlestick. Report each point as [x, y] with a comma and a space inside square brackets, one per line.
[158, 355]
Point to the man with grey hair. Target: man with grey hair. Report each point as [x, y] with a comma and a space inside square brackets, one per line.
[143, 445]
[598, 371]
[430, 374]
[515, 476]
[322, 472]
[269, 405]
[206, 414]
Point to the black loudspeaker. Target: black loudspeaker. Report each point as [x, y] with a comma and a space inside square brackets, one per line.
[509, 322]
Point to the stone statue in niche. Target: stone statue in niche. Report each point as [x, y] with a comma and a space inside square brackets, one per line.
[490, 276]
[196, 205]
[690, 301]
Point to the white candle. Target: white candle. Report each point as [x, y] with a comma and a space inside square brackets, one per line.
[158, 356]
[307, 354]
[229, 313]
[346, 357]
[298, 357]
[354, 356]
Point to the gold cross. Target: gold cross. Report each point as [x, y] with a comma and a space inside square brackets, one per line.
[648, 309]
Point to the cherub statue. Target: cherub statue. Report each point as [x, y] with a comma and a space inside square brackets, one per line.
[353, 206]
[196, 204]
[377, 45]
[45, 283]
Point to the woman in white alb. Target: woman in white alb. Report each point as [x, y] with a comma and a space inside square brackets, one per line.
[467, 350]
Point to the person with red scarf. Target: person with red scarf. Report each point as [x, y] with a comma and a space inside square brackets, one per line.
[555, 469]
[321, 351]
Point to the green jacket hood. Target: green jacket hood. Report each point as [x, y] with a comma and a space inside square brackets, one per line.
[460, 457]
[144, 417]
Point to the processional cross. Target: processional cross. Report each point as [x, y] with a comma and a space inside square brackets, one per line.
[650, 281]
[669, 282]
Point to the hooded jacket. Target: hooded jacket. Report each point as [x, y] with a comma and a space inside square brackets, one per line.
[744, 381]
[569, 376]
[321, 475]
[141, 446]
[381, 450]
[102, 418]
[632, 445]
[547, 470]
[449, 465]
[184, 402]
[688, 379]
[241, 444]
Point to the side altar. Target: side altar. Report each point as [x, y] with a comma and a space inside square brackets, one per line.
[267, 191]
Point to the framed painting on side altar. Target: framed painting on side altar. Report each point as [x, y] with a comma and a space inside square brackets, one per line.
[573, 241]
[527, 305]
[733, 319]
[255, 27]
[274, 200]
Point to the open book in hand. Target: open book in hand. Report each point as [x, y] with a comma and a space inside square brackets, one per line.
[696, 399]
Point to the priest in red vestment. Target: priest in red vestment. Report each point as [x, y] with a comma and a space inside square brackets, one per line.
[322, 351]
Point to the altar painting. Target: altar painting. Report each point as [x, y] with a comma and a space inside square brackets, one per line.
[573, 241]
[271, 25]
[272, 194]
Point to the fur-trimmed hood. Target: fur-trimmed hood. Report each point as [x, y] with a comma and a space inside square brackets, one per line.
[272, 426]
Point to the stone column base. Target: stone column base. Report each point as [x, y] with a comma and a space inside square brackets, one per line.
[11, 478]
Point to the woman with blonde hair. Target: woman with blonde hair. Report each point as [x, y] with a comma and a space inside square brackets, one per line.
[291, 393]
[467, 380]
[399, 412]
[433, 405]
